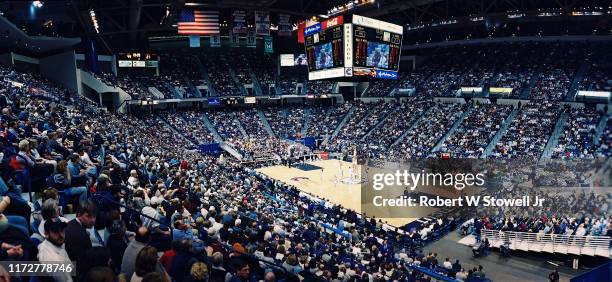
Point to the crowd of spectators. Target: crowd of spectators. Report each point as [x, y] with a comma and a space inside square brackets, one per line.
[412, 80]
[476, 131]
[264, 68]
[317, 87]
[188, 124]
[378, 143]
[552, 85]
[363, 118]
[552, 66]
[130, 85]
[577, 138]
[289, 79]
[426, 133]
[226, 124]
[242, 68]
[252, 124]
[181, 72]
[605, 144]
[287, 122]
[382, 88]
[597, 77]
[529, 131]
[324, 120]
[220, 76]
[565, 212]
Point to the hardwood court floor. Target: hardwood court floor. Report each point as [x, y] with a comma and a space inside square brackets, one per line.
[328, 186]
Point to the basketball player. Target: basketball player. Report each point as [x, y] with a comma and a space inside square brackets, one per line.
[341, 170]
[321, 175]
[351, 174]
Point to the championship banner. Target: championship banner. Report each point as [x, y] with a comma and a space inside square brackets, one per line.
[215, 41]
[251, 39]
[262, 23]
[268, 45]
[239, 22]
[234, 39]
[284, 25]
[194, 41]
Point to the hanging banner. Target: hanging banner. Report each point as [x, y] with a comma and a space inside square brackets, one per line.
[300, 32]
[234, 39]
[268, 45]
[262, 23]
[198, 22]
[215, 41]
[284, 25]
[251, 43]
[239, 22]
[194, 41]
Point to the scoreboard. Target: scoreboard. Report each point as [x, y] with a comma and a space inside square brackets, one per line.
[137, 60]
[324, 43]
[363, 48]
[377, 48]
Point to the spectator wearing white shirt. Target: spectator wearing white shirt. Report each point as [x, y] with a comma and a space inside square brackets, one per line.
[52, 248]
[447, 264]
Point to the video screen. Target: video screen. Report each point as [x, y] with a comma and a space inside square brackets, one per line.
[323, 56]
[376, 49]
[378, 55]
[324, 50]
[300, 60]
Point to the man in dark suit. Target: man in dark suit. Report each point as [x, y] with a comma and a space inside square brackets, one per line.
[77, 237]
[456, 266]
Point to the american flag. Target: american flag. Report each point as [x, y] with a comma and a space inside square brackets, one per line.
[198, 22]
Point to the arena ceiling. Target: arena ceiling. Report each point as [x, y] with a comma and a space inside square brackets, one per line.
[127, 23]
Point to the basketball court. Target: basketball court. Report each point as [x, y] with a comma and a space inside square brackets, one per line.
[337, 182]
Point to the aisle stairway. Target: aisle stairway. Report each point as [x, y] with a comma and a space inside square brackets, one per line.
[307, 114]
[499, 134]
[256, 85]
[416, 121]
[211, 90]
[377, 125]
[212, 129]
[341, 124]
[264, 120]
[599, 130]
[237, 82]
[553, 140]
[534, 79]
[571, 92]
[241, 128]
[175, 92]
[452, 129]
[176, 132]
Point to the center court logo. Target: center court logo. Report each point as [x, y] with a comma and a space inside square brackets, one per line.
[300, 178]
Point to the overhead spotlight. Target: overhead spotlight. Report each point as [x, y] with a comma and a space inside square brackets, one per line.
[37, 4]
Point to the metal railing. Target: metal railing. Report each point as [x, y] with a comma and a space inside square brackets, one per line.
[550, 243]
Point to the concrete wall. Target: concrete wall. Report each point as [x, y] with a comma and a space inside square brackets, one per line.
[61, 69]
[6, 59]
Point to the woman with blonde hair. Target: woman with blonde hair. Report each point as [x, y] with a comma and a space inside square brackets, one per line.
[198, 273]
